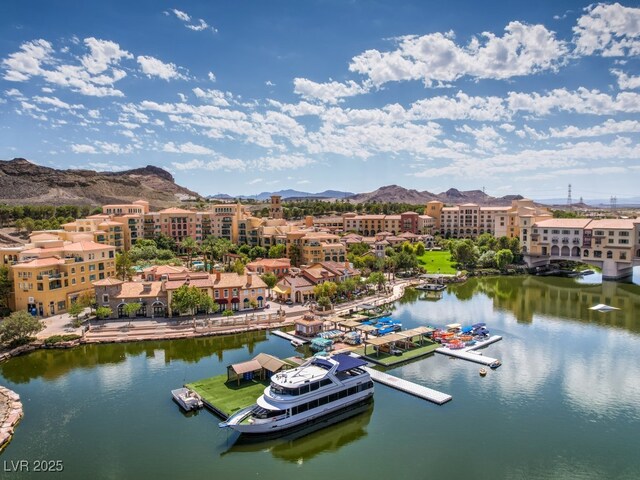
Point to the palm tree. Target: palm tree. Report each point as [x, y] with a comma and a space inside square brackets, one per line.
[208, 249]
[189, 244]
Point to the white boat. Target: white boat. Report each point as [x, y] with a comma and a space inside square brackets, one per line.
[320, 387]
[187, 399]
[297, 343]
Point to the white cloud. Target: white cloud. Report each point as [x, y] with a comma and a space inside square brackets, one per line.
[607, 128]
[436, 59]
[255, 180]
[188, 147]
[94, 113]
[94, 76]
[13, 92]
[626, 82]
[47, 90]
[104, 53]
[198, 25]
[269, 83]
[215, 97]
[57, 103]
[460, 107]
[82, 148]
[283, 162]
[330, 92]
[221, 163]
[611, 30]
[212, 76]
[153, 67]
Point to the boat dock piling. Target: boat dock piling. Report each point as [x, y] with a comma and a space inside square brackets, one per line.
[286, 336]
[469, 354]
[408, 387]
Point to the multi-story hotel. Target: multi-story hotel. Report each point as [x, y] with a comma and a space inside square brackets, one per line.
[50, 274]
[315, 246]
[612, 245]
[471, 220]
[369, 225]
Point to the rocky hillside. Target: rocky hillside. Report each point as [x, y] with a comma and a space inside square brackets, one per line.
[397, 194]
[22, 182]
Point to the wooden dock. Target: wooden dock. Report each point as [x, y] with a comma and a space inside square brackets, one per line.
[408, 387]
[286, 336]
[469, 353]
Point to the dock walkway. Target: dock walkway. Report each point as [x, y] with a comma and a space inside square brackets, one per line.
[286, 336]
[408, 387]
[469, 354]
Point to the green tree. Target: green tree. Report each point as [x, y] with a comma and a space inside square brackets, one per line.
[238, 267]
[124, 266]
[227, 313]
[18, 328]
[419, 249]
[187, 299]
[487, 259]
[131, 308]
[270, 279]
[87, 299]
[502, 243]
[406, 261]
[295, 255]
[325, 289]
[359, 249]
[190, 245]
[75, 309]
[377, 279]
[514, 246]
[257, 252]
[165, 242]
[324, 302]
[465, 253]
[277, 251]
[5, 290]
[103, 312]
[503, 258]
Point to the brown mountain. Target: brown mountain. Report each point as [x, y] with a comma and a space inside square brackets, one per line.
[397, 194]
[22, 182]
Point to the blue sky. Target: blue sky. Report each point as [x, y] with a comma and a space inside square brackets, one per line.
[242, 97]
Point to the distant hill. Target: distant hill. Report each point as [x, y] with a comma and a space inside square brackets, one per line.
[397, 194]
[287, 194]
[25, 183]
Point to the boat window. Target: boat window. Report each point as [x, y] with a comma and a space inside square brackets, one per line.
[324, 400]
[304, 389]
[259, 412]
[315, 386]
[324, 382]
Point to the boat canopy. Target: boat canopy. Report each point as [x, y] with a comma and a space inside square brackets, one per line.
[345, 362]
[467, 329]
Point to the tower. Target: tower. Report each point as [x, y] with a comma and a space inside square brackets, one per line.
[275, 210]
[569, 201]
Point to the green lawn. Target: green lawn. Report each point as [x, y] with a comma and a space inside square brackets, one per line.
[388, 360]
[228, 397]
[437, 262]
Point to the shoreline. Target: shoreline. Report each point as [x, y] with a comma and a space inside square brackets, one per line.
[11, 413]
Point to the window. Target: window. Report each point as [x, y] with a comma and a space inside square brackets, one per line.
[105, 298]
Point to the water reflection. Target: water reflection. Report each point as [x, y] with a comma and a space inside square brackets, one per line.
[323, 437]
[52, 364]
[566, 298]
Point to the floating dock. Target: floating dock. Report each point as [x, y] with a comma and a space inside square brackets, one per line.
[469, 354]
[286, 336]
[408, 387]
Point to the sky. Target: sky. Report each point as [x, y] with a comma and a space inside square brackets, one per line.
[247, 96]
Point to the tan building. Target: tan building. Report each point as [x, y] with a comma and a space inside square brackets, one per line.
[49, 277]
[278, 266]
[314, 246]
[612, 245]
[369, 225]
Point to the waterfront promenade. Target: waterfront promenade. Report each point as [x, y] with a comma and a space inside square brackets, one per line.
[276, 316]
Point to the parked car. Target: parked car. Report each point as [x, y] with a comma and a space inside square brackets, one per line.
[288, 302]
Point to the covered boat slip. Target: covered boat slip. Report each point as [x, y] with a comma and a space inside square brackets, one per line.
[398, 347]
[261, 367]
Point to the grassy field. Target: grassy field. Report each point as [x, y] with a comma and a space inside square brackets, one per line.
[437, 262]
[228, 397]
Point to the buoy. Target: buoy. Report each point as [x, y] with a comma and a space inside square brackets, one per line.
[483, 372]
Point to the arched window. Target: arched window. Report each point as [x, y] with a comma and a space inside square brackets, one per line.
[609, 254]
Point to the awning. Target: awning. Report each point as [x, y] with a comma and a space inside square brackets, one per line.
[235, 300]
[281, 291]
[222, 301]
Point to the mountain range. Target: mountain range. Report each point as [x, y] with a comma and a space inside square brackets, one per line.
[25, 183]
[287, 194]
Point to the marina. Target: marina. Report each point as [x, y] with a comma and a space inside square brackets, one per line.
[470, 354]
[409, 387]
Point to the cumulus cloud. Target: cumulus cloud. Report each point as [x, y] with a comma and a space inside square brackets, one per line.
[153, 67]
[188, 147]
[330, 92]
[610, 127]
[611, 30]
[215, 97]
[102, 147]
[95, 75]
[626, 82]
[436, 58]
[212, 76]
[57, 103]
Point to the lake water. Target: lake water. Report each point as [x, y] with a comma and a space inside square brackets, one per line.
[564, 405]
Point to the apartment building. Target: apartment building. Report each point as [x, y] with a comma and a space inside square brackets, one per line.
[471, 220]
[51, 274]
[610, 244]
[314, 246]
[278, 266]
[369, 225]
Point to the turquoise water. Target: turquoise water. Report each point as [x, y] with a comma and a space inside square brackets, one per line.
[565, 403]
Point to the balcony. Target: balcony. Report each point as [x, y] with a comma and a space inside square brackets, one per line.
[565, 241]
[554, 240]
[576, 241]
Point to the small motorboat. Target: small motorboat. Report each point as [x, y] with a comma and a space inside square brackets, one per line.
[483, 372]
[495, 364]
[297, 343]
[187, 399]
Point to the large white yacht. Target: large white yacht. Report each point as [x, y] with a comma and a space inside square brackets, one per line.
[320, 387]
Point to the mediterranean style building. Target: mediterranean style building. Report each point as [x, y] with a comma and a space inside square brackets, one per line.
[229, 291]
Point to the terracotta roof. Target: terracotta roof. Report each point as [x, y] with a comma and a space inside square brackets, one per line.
[86, 247]
[270, 262]
[297, 281]
[409, 213]
[563, 223]
[41, 262]
[175, 210]
[107, 282]
[165, 269]
[615, 223]
[137, 290]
